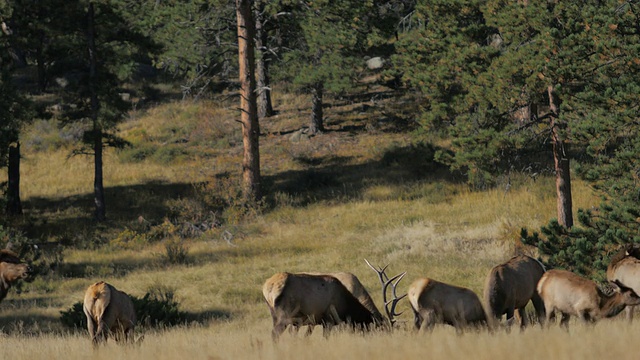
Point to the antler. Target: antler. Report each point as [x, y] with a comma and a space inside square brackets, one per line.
[386, 281]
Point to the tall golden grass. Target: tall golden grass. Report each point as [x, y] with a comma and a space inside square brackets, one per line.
[606, 340]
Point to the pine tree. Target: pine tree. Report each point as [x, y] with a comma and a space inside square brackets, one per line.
[608, 125]
[327, 41]
[14, 113]
[506, 78]
[102, 50]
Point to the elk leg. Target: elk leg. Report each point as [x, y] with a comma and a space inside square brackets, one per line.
[278, 329]
[91, 325]
[564, 321]
[510, 312]
[326, 329]
[280, 325]
[309, 330]
[629, 310]
[128, 336]
[102, 332]
[510, 319]
[550, 315]
[524, 321]
[538, 305]
[428, 320]
[417, 320]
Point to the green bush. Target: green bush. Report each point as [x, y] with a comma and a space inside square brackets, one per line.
[168, 154]
[137, 153]
[130, 239]
[176, 251]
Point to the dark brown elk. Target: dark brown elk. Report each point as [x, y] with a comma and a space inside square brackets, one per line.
[434, 302]
[305, 299]
[573, 295]
[108, 311]
[510, 286]
[12, 269]
[355, 287]
[625, 268]
[313, 299]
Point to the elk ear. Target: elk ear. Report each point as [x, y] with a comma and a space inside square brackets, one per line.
[620, 287]
[616, 286]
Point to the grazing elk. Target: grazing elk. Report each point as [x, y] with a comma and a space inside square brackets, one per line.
[312, 299]
[12, 269]
[510, 286]
[625, 268]
[108, 310]
[571, 294]
[434, 302]
[355, 287]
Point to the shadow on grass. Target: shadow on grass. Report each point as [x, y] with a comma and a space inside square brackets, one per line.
[205, 317]
[325, 177]
[29, 324]
[123, 267]
[17, 303]
[36, 324]
[334, 178]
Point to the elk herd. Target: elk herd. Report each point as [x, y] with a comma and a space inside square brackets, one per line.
[340, 299]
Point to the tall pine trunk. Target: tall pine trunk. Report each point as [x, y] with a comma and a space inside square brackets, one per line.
[40, 62]
[98, 186]
[14, 206]
[265, 107]
[561, 163]
[317, 125]
[248, 106]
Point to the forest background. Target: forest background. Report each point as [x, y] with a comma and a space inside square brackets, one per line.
[406, 131]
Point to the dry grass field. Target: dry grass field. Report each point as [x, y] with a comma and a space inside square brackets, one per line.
[355, 192]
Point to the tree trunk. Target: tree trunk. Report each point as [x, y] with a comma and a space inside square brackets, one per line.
[98, 186]
[316, 110]
[561, 163]
[248, 106]
[14, 206]
[265, 107]
[40, 62]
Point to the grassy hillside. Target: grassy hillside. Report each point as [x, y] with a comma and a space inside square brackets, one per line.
[363, 189]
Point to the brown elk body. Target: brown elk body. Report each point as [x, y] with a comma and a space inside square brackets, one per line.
[510, 286]
[108, 311]
[435, 302]
[625, 268]
[306, 299]
[571, 294]
[12, 269]
[355, 287]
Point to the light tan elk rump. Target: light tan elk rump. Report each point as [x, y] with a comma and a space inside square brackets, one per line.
[109, 312]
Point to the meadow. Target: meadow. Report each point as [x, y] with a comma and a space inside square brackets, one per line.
[363, 189]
